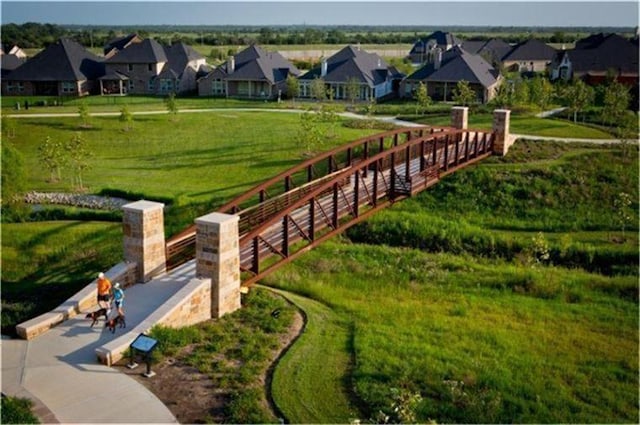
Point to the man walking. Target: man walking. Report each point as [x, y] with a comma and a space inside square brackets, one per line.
[104, 289]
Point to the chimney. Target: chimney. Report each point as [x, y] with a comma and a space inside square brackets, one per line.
[358, 46]
[323, 68]
[231, 65]
[437, 59]
[379, 63]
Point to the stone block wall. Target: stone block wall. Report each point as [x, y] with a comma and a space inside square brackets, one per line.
[143, 235]
[218, 259]
[459, 117]
[503, 140]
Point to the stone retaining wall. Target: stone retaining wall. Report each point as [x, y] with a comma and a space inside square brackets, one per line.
[76, 200]
[83, 300]
[190, 305]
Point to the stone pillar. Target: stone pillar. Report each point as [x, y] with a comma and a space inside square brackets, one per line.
[459, 117]
[218, 259]
[143, 228]
[502, 140]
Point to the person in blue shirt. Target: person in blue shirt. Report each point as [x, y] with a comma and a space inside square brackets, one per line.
[118, 298]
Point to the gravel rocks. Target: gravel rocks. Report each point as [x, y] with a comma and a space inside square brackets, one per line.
[76, 200]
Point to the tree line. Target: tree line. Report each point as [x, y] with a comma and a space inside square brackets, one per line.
[35, 35]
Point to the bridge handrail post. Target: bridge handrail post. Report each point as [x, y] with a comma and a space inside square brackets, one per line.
[502, 139]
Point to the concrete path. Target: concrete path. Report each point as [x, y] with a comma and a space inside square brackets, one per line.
[60, 372]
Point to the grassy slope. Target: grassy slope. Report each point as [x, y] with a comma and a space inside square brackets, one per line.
[309, 383]
[530, 345]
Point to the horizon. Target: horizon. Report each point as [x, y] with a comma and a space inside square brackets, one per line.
[482, 14]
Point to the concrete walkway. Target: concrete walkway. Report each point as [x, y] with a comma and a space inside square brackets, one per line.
[60, 372]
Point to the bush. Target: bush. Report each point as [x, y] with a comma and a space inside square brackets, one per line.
[17, 411]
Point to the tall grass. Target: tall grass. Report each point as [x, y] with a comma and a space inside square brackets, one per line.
[481, 341]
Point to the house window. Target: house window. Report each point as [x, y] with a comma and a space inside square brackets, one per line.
[20, 86]
[130, 67]
[131, 86]
[217, 87]
[150, 86]
[150, 67]
[68, 87]
[166, 86]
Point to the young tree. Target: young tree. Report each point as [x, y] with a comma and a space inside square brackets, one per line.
[353, 89]
[310, 133]
[541, 92]
[318, 90]
[423, 101]
[463, 94]
[126, 117]
[504, 95]
[293, 88]
[172, 106]
[85, 117]
[621, 206]
[52, 156]
[578, 96]
[78, 157]
[616, 102]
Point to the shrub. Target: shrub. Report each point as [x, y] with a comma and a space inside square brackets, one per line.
[17, 411]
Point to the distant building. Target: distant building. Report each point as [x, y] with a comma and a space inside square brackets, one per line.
[252, 73]
[375, 78]
[491, 50]
[596, 57]
[64, 68]
[423, 50]
[529, 56]
[443, 74]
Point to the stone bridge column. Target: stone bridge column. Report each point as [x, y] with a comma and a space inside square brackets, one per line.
[143, 228]
[218, 259]
[459, 117]
[502, 141]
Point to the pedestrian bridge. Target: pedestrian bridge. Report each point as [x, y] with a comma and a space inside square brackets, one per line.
[210, 264]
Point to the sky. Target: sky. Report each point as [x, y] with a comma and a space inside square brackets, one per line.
[305, 12]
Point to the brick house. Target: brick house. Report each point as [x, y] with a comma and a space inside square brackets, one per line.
[443, 74]
[596, 57]
[147, 67]
[64, 68]
[424, 49]
[529, 56]
[375, 78]
[252, 73]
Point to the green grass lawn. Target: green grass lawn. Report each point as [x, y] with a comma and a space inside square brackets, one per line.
[524, 124]
[481, 341]
[311, 382]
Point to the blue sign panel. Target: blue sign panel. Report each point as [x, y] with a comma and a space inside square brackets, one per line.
[144, 343]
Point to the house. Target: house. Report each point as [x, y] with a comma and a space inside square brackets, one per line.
[64, 68]
[596, 57]
[529, 56]
[120, 43]
[424, 48]
[443, 74]
[375, 78]
[491, 50]
[252, 73]
[147, 67]
[8, 63]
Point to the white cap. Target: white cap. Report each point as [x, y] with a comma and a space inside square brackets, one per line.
[117, 285]
[100, 275]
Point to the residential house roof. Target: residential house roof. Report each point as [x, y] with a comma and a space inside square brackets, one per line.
[8, 63]
[120, 43]
[147, 51]
[457, 65]
[444, 40]
[254, 63]
[600, 53]
[530, 50]
[179, 55]
[494, 49]
[351, 62]
[64, 60]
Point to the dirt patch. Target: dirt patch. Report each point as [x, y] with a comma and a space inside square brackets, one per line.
[192, 396]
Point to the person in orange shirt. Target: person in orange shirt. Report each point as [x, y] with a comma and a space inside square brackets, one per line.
[104, 291]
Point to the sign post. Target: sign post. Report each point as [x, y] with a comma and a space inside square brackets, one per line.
[144, 345]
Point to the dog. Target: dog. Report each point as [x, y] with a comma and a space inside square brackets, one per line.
[112, 323]
[96, 315]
